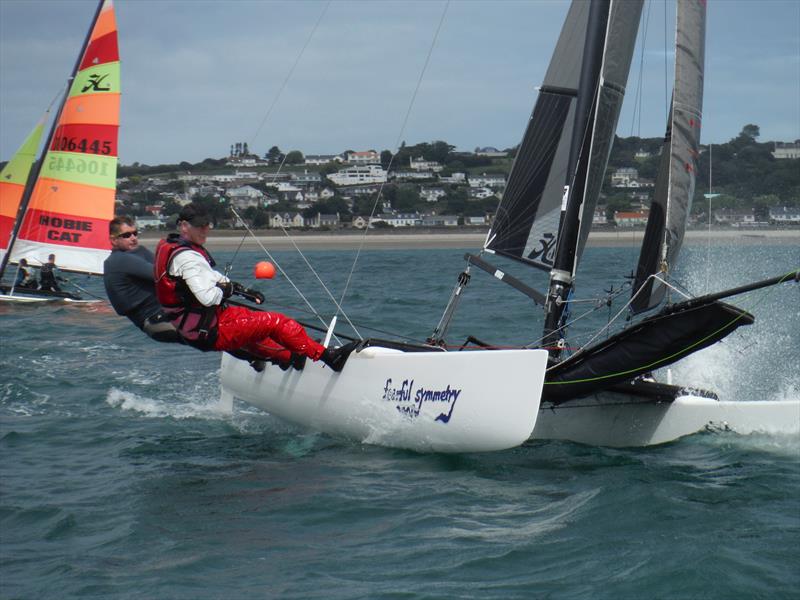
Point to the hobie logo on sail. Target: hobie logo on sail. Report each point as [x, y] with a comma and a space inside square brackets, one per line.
[409, 400]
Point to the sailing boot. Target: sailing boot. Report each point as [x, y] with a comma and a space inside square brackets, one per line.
[258, 365]
[336, 357]
[298, 361]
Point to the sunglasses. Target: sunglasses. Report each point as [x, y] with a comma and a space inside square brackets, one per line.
[128, 234]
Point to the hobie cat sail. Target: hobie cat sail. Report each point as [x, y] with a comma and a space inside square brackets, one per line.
[13, 178]
[69, 200]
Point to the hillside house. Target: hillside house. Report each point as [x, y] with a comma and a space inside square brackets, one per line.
[306, 178]
[322, 159]
[409, 175]
[286, 220]
[320, 220]
[420, 164]
[367, 157]
[784, 215]
[440, 221]
[455, 178]
[624, 177]
[484, 180]
[630, 219]
[396, 220]
[359, 175]
[734, 217]
[475, 221]
[432, 194]
[786, 150]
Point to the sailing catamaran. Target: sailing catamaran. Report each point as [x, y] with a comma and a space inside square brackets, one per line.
[64, 205]
[600, 394]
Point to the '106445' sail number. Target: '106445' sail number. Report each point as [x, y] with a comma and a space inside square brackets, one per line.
[71, 144]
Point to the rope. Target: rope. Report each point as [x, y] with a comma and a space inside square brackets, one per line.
[291, 71]
[296, 289]
[396, 146]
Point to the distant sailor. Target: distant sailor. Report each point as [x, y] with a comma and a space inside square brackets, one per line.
[25, 278]
[128, 277]
[49, 275]
[193, 294]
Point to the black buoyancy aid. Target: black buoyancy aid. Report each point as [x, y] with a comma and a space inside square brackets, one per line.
[197, 324]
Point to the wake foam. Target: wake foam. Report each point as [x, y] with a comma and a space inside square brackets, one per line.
[158, 409]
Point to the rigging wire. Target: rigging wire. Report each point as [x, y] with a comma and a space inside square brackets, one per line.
[267, 252]
[397, 147]
[291, 71]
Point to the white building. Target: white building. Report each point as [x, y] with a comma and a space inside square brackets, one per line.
[630, 219]
[479, 193]
[396, 220]
[455, 178]
[420, 164]
[783, 215]
[484, 180]
[784, 150]
[475, 221]
[625, 177]
[406, 175]
[154, 222]
[320, 220]
[440, 221]
[432, 194]
[363, 158]
[286, 220]
[322, 159]
[359, 175]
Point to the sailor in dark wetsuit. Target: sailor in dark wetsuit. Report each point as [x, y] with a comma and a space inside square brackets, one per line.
[48, 275]
[128, 277]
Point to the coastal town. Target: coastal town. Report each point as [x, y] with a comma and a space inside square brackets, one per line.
[430, 186]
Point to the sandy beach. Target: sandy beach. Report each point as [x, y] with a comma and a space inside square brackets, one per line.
[374, 240]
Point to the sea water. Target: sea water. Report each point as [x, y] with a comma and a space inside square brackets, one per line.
[121, 477]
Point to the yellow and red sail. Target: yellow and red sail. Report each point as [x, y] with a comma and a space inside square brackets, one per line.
[13, 178]
[73, 198]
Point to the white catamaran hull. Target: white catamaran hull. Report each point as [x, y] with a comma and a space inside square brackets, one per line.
[617, 420]
[423, 401]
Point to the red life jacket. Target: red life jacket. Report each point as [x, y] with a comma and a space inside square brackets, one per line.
[197, 324]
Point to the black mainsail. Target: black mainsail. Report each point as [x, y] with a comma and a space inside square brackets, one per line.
[672, 200]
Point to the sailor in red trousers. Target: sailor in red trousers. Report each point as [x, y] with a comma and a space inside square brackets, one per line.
[193, 294]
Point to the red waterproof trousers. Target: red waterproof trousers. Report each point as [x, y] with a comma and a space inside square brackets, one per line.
[270, 335]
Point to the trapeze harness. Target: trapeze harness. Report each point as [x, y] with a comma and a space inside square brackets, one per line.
[197, 324]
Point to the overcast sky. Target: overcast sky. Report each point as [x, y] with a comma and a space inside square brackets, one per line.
[198, 76]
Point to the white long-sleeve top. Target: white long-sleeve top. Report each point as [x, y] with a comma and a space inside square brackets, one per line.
[202, 280]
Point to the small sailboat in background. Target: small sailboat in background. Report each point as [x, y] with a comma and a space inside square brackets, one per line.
[64, 205]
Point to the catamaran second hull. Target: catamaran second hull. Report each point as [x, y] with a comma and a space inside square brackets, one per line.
[424, 401]
[661, 414]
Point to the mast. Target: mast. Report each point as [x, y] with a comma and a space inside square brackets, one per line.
[37, 168]
[561, 275]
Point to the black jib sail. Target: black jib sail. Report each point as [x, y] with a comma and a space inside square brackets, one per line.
[526, 223]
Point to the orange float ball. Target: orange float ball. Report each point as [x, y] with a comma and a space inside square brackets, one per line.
[264, 270]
